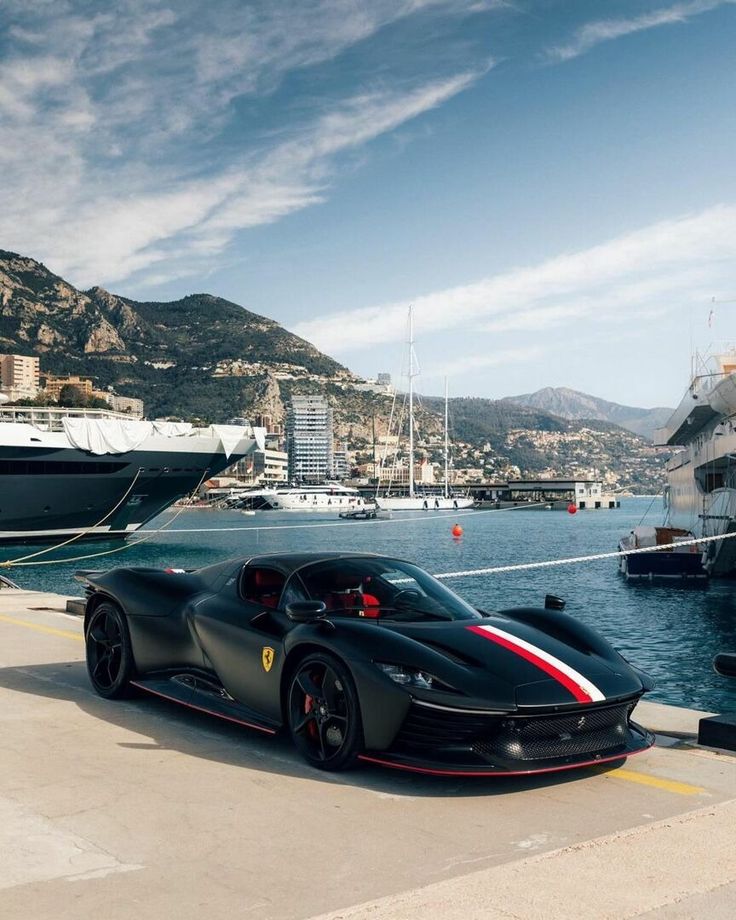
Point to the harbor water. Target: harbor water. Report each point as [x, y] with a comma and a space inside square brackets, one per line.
[671, 630]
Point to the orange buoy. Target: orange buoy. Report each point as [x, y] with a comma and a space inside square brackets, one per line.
[572, 508]
[457, 531]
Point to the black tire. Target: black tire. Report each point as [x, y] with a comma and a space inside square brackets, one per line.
[323, 713]
[109, 652]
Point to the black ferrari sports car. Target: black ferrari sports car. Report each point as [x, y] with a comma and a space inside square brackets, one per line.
[363, 657]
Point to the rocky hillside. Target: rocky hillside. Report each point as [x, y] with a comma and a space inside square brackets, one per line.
[198, 356]
[203, 357]
[506, 440]
[572, 404]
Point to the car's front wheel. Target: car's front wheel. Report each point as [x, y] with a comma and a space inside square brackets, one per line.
[324, 714]
[109, 652]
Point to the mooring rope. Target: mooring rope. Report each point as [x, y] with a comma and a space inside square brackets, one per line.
[593, 557]
[106, 552]
[466, 573]
[48, 549]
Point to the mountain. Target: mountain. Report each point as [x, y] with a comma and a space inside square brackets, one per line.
[206, 358]
[572, 404]
[200, 355]
[507, 440]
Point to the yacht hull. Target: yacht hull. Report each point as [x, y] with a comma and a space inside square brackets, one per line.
[50, 495]
[423, 503]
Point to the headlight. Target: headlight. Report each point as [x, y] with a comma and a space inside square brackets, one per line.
[407, 677]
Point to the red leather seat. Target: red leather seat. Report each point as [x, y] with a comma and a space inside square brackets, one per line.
[264, 586]
[371, 605]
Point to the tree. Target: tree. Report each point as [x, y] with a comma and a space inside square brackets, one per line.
[72, 397]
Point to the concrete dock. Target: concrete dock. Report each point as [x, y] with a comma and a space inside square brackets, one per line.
[139, 809]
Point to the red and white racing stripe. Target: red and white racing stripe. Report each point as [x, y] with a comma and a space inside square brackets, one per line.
[584, 690]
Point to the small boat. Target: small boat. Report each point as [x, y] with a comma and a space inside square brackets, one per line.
[365, 514]
[677, 562]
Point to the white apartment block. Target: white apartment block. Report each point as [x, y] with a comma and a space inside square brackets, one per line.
[127, 404]
[19, 376]
[309, 439]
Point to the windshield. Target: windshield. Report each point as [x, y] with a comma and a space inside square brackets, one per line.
[382, 588]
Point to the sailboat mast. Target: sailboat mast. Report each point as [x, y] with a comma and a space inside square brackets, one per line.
[447, 445]
[411, 402]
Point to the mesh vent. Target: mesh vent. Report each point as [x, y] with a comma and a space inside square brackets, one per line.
[555, 736]
[587, 731]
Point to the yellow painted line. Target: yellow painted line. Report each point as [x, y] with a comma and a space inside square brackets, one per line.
[657, 782]
[39, 627]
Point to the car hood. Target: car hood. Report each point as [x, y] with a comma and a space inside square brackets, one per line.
[503, 661]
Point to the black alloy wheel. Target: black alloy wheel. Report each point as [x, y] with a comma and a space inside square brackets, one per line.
[323, 713]
[109, 653]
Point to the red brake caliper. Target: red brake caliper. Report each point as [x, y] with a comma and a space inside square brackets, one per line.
[308, 707]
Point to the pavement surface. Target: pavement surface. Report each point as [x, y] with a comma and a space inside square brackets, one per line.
[140, 809]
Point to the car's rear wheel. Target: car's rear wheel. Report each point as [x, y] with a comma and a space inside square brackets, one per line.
[324, 714]
[109, 652]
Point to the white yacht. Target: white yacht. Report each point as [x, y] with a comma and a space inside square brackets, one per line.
[96, 474]
[327, 497]
[700, 496]
[423, 499]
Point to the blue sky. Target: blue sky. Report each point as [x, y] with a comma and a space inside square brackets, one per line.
[550, 183]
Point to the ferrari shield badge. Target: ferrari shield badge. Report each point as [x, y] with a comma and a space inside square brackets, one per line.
[267, 658]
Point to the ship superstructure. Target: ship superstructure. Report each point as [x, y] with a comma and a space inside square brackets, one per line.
[700, 496]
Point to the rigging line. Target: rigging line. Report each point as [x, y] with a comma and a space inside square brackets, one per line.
[83, 533]
[549, 563]
[649, 508]
[402, 520]
[116, 549]
[149, 534]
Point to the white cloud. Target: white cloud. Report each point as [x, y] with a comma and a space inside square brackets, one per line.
[673, 261]
[485, 359]
[603, 30]
[111, 156]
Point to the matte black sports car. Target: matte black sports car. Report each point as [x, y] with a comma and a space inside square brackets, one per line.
[366, 657]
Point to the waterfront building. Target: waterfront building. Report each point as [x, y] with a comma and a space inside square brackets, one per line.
[583, 493]
[267, 467]
[384, 380]
[19, 376]
[309, 439]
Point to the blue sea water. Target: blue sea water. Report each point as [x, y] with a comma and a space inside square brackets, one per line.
[669, 630]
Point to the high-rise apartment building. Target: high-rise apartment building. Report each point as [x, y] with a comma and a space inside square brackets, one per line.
[19, 376]
[309, 439]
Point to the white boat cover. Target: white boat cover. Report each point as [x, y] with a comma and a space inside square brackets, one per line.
[106, 436]
[231, 435]
[118, 436]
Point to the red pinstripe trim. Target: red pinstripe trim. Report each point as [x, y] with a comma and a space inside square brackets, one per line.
[432, 771]
[209, 712]
[580, 695]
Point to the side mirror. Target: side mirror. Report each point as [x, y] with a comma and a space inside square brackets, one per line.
[725, 664]
[552, 602]
[306, 611]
